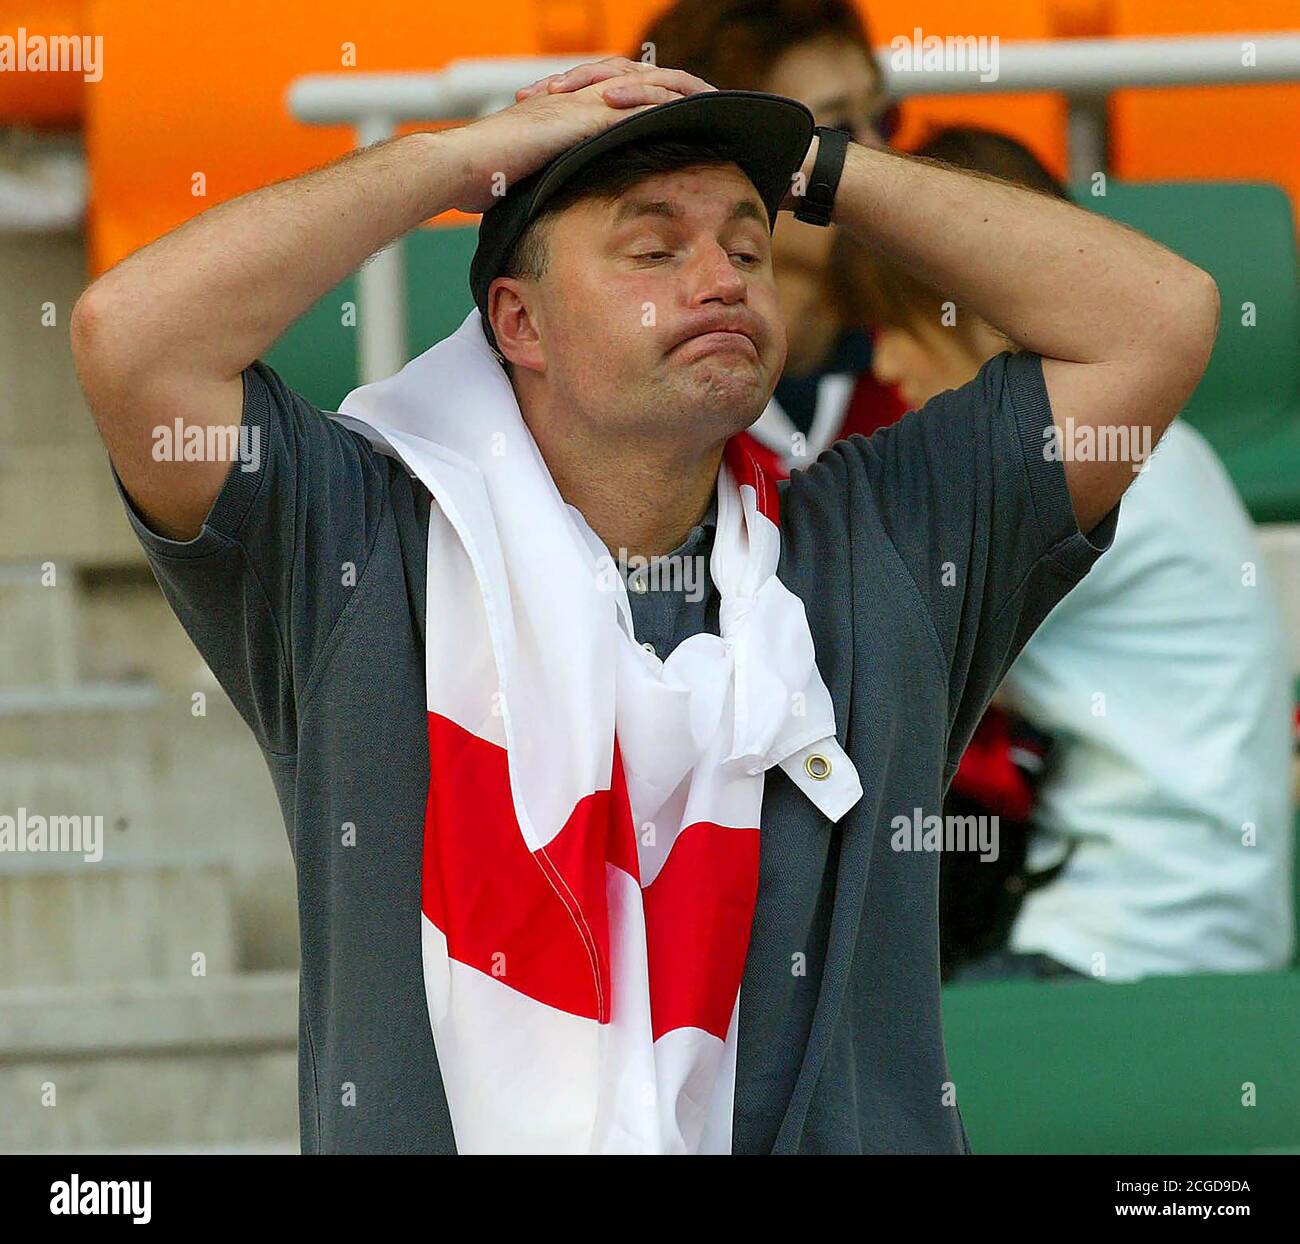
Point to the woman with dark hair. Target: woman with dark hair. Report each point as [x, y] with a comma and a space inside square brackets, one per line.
[818, 52]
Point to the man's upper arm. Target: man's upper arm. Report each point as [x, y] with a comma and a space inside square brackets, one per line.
[980, 512]
[142, 414]
[261, 587]
[1109, 417]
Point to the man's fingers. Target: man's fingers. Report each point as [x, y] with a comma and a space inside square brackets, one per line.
[631, 83]
[535, 88]
[678, 80]
[628, 94]
[585, 75]
[579, 75]
[595, 70]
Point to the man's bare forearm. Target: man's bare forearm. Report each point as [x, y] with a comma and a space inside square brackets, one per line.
[1057, 280]
[208, 298]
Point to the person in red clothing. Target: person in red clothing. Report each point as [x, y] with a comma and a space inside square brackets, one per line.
[818, 52]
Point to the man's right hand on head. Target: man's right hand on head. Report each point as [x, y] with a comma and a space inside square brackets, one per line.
[556, 113]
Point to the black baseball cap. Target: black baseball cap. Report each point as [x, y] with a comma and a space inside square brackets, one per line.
[766, 135]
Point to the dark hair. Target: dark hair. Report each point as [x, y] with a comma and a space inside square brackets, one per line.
[873, 291]
[607, 179]
[733, 44]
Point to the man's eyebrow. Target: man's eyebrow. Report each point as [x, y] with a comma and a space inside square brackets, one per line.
[631, 209]
[750, 209]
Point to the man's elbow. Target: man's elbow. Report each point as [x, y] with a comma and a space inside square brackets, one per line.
[108, 350]
[90, 334]
[1175, 350]
[1202, 315]
[84, 325]
[1189, 325]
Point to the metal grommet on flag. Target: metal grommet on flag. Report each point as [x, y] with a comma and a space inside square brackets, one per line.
[817, 766]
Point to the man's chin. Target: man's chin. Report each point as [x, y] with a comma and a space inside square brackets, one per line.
[714, 380]
[725, 399]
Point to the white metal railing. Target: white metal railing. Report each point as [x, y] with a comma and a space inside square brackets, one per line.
[1085, 71]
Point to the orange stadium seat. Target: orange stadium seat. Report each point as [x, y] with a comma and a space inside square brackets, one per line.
[172, 131]
[1227, 133]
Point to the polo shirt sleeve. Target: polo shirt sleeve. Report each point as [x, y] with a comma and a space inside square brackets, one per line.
[261, 587]
[980, 514]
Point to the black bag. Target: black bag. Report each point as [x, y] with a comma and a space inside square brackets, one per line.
[980, 899]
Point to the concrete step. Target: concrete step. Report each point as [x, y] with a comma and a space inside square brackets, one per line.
[39, 622]
[63, 625]
[283, 1146]
[150, 1067]
[57, 502]
[41, 277]
[57, 498]
[66, 921]
[162, 777]
[168, 785]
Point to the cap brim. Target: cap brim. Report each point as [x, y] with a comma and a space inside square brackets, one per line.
[767, 135]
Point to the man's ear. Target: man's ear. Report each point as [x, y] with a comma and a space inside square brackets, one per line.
[514, 323]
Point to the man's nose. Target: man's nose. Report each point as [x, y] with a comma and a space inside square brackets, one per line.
[714, 277]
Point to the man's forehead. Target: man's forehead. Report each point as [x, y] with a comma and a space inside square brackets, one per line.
[671, 195]
[634, 207]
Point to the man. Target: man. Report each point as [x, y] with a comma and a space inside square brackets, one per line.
[640, 333]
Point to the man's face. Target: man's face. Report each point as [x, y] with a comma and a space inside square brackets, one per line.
[658, 310]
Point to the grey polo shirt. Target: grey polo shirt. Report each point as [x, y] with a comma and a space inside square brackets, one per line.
[925, 556]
